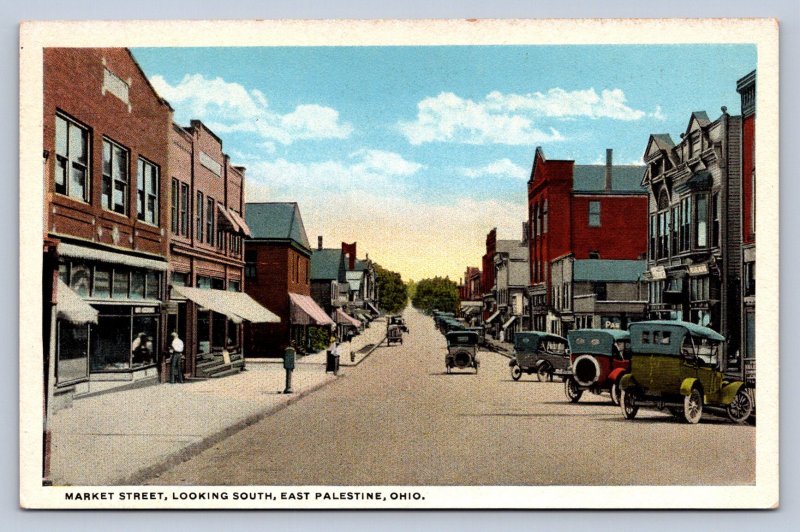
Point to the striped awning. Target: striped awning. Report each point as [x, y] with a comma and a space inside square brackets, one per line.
[509, 322]
[237, 306]
[305, 311]
[72, 308]
[101, 255]
[345, 319]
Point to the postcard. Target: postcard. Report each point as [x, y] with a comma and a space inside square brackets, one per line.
[394, 264]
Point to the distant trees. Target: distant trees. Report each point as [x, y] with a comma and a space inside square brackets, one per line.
[392, 295]
[439, 293]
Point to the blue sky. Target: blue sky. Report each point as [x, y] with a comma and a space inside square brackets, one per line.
[417, 152]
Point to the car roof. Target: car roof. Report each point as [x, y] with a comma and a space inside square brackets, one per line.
[461, 333]
[693, 328]
[539, 334]
[616, 334]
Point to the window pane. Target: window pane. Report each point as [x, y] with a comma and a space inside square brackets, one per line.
[151, 209]
[61, 136]
[140, 175]
[106, 192]
[102, 283]
[106, 158]
[77, 144]
[73, 351]
[120, 191]
[120, 164]
[153, 285]
[137, 285]
[218, 330]
[179, 279]
[233, 333]
[111, 343]
[77, 182]
[120, 284]
[80, 279]
[702, 221]
[204, 282]
[233, 286]
[61, 175]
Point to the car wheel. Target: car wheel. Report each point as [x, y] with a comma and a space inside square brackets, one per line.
[741, 407]
[615, 393]
[572, 391]
[629, 403]
[693, 406]
[516, 372]
[543, 372]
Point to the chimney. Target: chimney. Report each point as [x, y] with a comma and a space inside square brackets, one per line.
[319, 242]
[350, 251]
[608, 169]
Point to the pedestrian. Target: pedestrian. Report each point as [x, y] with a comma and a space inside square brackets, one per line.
[176, 359]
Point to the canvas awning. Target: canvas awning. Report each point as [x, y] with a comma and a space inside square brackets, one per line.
[72, 308]
[229, 220]
[344, 319]
[493, 317]
[243, 228]
[82, 252]
[305, 311]
[509, 322]
[237, 306]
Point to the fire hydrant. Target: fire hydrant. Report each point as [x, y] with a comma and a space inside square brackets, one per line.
[288, 365]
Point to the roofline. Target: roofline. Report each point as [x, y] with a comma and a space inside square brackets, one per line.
[147, 80]
[611, 193]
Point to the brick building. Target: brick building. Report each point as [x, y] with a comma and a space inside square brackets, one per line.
[487, 276]
[106, 168]
[207, 302]
[277, 275]
[746, 87]
[695, 236]
[584, 212]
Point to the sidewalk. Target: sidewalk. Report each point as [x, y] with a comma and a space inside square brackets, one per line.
[361, 345]
[503, 348]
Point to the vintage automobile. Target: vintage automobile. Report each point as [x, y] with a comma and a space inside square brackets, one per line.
[675, 366]
[600, 357]
[480, 331]
[539, 352]
[397, 320]
[394, 331]
[462, 350]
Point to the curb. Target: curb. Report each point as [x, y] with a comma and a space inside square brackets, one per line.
[193, 449]
[376, 346]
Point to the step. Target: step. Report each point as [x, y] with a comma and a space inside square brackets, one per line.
[231, 371]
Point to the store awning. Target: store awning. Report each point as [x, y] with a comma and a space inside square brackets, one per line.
[82, 252]
[243, 228]
[72, 308]
[509, 322]
[305, 311]
[493, 317]
[344, 319]
[373, 308]
[237, 306]
[227, 218]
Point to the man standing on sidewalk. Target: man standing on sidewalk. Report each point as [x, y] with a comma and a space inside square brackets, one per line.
[176, 359]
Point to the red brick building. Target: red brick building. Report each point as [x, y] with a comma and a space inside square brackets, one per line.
[277, 275]
[207, 259]
[487, 275]
[106, 168]
[584, 212]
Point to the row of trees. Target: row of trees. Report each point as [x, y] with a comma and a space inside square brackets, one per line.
[392, 294]
[439, 293]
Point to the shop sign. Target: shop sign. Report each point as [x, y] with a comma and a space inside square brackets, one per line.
[658, 273]
[698, 269]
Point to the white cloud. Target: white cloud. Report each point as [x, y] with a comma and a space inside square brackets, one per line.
[499, 168]
[658, 114]
[228, 107]
[513, 119]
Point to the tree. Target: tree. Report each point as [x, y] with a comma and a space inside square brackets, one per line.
[439, 293]
[392, 295]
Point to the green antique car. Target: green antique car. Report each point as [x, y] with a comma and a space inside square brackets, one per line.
[675, 366]
[539, 352]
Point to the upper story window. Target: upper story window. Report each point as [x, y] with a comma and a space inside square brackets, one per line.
[715, 227]
[175, 205]
[250, 264]
[686, 223]
[72, 159]
[702, 220]
[544, 216]
[115, 177]
[594, 214]
[200, 218]
[148, 183]
[210, 221]
[184, 210]
[535, 217]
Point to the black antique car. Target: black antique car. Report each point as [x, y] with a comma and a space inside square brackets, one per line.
[462, 350]
[539, 352]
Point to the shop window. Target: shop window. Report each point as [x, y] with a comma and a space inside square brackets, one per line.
[72, 159]
[233, 334]
[80, 279]
[115, 177]
[137, 285]
[148, 182]
[200, 220]
[120, 283]
[111, 342]
[73, 352]
[153, 290]
[101, 285]
[594, 214]
[218, 330]
[145, 340]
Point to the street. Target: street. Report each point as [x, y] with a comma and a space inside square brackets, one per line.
[399, 419]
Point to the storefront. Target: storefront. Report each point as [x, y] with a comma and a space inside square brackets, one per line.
[304, 313]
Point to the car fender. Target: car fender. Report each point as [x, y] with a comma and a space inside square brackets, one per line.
[513, 362]
[539, 363]
[729, 391]
[616, 374]
[627, 381]
[687, 385]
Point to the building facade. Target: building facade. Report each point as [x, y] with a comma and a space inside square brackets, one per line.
[278, 276]
[695, 232]
[106, 186]
[487, 278]
[596, 212]
[512, 277]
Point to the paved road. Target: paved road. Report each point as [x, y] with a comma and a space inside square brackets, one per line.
[399, 419]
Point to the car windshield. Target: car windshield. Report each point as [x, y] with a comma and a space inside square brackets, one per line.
[461, 339]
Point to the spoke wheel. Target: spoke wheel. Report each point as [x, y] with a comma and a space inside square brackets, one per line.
[693, 406]
[543, 373]
[741, 407]
[572, 391]
[516, 372]
[629, 404]
[615, 393]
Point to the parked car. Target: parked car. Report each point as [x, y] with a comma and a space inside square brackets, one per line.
[599, 357]
[462, 350]
[397, 320]
[675, 366]
[481, 332]
[539, 352]
[394, 330]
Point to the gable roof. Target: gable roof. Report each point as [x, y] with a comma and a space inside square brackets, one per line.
[608, 270]
[702, 120]
[361, 265]
[592, 177]
[276, 221]
[325, 264]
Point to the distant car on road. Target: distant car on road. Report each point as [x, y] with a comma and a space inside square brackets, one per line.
[600, 357]
[462, 350]
[539, 352]
[675, 366]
